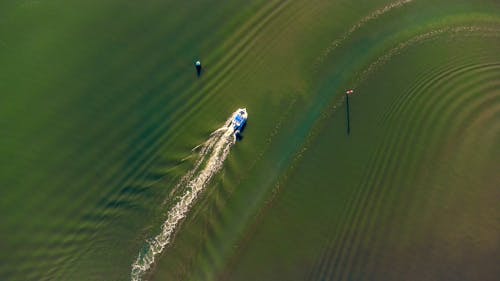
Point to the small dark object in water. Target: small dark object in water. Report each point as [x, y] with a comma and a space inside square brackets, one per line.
[197, 64]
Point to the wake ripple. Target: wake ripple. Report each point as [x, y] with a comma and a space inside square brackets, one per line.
[372, 16]
[212, 154]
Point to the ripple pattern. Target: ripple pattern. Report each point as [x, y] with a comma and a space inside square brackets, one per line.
[447, 113]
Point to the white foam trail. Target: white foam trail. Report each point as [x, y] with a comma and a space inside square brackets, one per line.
[211, 158]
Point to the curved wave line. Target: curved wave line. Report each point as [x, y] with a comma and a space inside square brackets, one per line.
[374, 15]
[420, 38]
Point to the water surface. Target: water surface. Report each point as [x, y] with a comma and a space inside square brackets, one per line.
[101, 107]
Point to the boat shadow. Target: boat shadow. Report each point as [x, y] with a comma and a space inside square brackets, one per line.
[239, 136]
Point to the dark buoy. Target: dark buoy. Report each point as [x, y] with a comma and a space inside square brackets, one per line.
[197, 64]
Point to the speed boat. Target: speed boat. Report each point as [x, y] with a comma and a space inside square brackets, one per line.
[239, 121]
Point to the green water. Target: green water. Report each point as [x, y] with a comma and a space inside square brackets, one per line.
[100, 108]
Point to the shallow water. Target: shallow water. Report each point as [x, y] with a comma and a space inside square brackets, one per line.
[101, 107]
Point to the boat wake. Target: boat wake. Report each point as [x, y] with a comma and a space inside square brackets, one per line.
[212, 155]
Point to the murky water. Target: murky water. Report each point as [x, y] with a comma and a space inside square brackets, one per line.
[100, 108]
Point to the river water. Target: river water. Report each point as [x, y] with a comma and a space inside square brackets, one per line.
[106, 129]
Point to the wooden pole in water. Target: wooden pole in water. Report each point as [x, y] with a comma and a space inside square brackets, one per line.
[347, 93]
